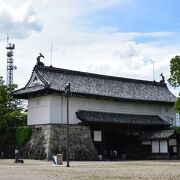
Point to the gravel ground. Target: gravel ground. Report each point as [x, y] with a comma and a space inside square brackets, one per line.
[104, 170]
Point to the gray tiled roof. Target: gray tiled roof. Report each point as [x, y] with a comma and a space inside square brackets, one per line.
[121, 119]
[164, 134]
[88, 84]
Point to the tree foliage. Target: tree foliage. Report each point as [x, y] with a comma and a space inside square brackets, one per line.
[174, 79]
[12, 115]
[23, 134]
[11, 109]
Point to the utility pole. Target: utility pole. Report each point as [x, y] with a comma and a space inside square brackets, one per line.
[67, 95]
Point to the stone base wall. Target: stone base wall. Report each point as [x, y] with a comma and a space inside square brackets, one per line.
[49, 140]
[36, 147]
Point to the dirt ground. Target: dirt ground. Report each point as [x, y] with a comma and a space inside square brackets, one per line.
[101, 170]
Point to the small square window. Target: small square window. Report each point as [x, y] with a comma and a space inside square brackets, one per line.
[97, 136]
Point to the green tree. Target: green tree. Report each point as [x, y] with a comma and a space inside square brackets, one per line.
[11, 109]
[174, 79]
[12, 115]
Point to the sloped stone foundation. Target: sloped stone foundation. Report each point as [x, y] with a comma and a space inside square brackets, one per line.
[49, 140]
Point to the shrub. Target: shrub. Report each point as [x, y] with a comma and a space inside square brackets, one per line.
[23, 135]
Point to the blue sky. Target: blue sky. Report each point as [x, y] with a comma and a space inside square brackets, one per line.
[139, 16]
[113, 37]
[144, 16]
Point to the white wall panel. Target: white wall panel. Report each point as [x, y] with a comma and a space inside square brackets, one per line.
[55, 110]
[97, 136]
[39, 110]
[155, 146]
[163, 146]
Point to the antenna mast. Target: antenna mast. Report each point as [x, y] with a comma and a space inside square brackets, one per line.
[10, 64]
[153, 71]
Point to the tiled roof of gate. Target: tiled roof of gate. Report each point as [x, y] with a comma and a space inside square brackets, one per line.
[122, 119]
[164, 134]
[89, 84]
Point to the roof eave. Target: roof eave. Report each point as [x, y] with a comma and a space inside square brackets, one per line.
[119, 99]
[77, 94]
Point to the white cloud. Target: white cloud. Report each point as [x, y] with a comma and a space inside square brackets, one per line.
[113, 50]
[77, 46]
[74, 8]
[18, 22]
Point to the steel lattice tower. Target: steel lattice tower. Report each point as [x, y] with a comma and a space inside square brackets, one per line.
[10, 64]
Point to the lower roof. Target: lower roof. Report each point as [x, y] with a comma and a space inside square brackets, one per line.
[165, 134]
[94, 117]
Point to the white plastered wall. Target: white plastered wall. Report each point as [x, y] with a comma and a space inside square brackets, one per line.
[39, 110]
[53, 109]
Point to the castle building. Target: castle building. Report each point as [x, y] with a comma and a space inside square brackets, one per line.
[109, 117]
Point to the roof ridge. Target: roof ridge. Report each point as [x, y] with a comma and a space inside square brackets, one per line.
[100, 76]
